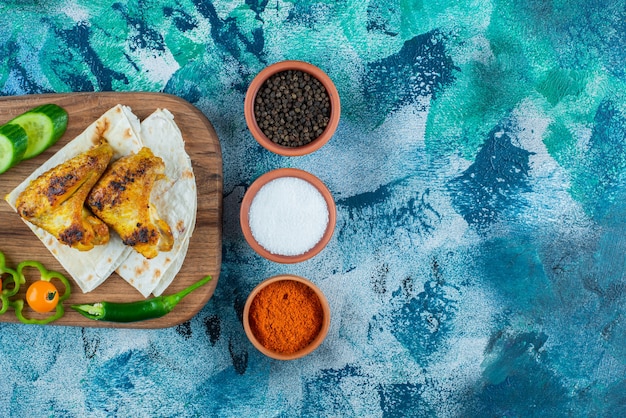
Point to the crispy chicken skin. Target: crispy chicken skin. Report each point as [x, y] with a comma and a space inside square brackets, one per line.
[55, 200]
[121, 198]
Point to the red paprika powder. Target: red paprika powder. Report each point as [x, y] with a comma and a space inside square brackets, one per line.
[286, 316]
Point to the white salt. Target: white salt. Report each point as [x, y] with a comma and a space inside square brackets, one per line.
[288, 216]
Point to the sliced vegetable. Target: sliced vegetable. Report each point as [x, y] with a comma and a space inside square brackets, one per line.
[44, 125]
[8, 276]
[13, 143]
[46, 276]
[49, 294]
[136, 311]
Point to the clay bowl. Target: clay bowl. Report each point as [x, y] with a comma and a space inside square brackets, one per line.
[257, 133]
[249, 325]
[258, 184]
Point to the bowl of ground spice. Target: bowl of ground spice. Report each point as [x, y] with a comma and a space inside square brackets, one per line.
[288, 215]
[286, 317]
[292, 108]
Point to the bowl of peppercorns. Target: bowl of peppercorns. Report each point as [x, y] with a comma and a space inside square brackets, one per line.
[292, 108]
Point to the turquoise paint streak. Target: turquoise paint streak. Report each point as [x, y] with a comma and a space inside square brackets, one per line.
[491, 82]
[563, 72]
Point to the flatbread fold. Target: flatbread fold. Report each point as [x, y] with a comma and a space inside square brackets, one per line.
[175, 199]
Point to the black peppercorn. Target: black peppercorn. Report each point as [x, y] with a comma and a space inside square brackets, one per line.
[292, 108]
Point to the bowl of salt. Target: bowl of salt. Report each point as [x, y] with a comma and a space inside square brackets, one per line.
[288, 215]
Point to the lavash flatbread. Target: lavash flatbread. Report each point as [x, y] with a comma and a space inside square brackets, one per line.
[175, 200]
[120, 127]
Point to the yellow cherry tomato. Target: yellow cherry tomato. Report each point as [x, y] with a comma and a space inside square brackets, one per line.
[42, 296]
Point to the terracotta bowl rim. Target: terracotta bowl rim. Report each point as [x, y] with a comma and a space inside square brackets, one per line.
[273, 175]
[335, 107]
[318, 339]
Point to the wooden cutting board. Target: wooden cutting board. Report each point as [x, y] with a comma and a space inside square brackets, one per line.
[204, 256]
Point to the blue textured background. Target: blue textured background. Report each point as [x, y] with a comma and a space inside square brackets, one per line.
[479, 171]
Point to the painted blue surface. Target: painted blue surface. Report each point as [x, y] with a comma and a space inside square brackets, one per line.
[479, 171]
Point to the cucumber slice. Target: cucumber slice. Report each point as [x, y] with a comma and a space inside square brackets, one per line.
[13, 143]
[44, 125]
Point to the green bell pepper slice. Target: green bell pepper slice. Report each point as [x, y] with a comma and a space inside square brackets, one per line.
[9, 276]
[45, 275]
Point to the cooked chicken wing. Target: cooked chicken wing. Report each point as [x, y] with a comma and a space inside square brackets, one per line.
[121, 198]
[55, 200]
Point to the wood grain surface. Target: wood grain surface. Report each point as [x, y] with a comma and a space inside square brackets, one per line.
[204, 256]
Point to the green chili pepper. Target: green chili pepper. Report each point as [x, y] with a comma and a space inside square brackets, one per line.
[45, 275]
[13, 277]
[139, 310]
